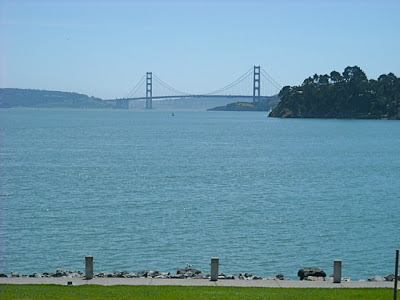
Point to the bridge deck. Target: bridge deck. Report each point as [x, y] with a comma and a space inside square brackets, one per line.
[190, 96]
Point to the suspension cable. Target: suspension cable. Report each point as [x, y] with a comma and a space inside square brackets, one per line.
[241, 78]
[168, 86]
[136, 88]
[271, 80]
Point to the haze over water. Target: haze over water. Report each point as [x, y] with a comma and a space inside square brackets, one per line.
[147, 190]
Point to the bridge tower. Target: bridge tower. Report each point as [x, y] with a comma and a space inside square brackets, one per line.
[256, 84]
[149, 90]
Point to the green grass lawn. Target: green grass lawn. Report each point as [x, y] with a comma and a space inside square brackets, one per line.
[8, 291]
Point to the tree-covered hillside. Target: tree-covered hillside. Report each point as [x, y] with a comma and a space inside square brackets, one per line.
[47, 99]
[349, 95]
[262, 105]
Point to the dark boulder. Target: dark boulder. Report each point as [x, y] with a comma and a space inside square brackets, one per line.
[310, 271]
[60, 273]
[142, 273]
[389, 277]
[131, 275]
[153, 274]
[101, 274]
[119, 274]
[163, 275]
[3, 275]
[14, 274]
[189, 272]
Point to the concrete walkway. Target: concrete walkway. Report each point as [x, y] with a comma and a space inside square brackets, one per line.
[197, 282]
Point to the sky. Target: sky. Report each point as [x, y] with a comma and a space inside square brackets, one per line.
[103, 48]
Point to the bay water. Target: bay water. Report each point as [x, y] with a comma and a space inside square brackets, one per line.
[148, 190]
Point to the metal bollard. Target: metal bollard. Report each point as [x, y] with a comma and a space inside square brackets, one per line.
[214, 268]
[337, 271]
[89, 267]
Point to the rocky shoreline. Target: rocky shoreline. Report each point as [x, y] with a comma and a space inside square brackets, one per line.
[306, 274]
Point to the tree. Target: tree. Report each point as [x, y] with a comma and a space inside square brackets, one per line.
[324, 79]
[336, 77]
[354, 74]
[349, 96]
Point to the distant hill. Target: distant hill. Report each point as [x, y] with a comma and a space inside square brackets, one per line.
[48, 99]
[349, 95]
[263, 105]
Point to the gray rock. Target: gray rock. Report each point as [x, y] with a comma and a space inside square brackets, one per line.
[280, 277]
[14, 274]
[314, 278]
[376, 278]
[346, 279]
[389, 277]
[181, 271]
[3, 275]
[229, 277]
[184, 271]
[164, 275]
[74, 275]
[153, 273]
[142, 273]
[255, 277]
[102, 274]
[60, 273]
[310, 271]
[177, 276]
[189, 274]
[119, 274]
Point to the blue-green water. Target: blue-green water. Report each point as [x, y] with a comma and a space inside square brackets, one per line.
[146, 190]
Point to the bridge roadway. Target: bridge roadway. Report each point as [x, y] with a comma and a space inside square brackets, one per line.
[190, 96]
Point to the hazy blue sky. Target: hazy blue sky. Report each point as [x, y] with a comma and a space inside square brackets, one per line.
[103, 48]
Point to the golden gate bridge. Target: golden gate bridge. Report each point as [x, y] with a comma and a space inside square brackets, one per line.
[255, 84]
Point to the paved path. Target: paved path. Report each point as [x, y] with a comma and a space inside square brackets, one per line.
[197, 282]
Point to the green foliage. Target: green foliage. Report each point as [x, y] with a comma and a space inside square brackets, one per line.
[47, 99]
[349, 95]
[184, 292]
